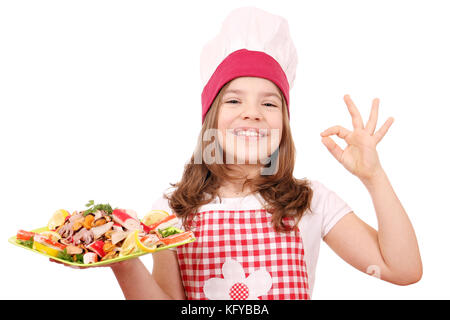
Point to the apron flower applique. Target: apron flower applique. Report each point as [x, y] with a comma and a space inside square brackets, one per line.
[235, 286]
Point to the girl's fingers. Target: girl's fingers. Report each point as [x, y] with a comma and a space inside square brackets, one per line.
[382, 131]
[332, 146]
[356, 116]
[372, 122]
[341, 132]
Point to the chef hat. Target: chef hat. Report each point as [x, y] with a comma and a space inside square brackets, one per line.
[254, 43]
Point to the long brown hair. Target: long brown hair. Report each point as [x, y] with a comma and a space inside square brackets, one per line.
[286, 198]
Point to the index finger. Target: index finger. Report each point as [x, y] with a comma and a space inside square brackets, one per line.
[354, 112]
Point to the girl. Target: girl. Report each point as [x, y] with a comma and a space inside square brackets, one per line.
[258, 228]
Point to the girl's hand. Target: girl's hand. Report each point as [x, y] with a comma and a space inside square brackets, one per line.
[360, 156]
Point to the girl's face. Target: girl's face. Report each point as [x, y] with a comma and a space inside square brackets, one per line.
[250, 120]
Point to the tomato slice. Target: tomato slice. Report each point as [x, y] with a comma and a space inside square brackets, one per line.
[24, 235]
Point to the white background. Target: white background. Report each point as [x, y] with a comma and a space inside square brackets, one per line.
[101, 100]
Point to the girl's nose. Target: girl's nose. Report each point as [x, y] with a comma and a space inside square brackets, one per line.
[251, 111]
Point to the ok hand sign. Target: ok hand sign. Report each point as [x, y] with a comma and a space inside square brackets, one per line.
[360, 157]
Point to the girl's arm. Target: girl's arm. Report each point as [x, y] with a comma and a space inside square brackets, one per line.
[137, 283]
[391, 252]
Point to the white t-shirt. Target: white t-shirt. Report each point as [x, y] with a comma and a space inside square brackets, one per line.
[327, 208]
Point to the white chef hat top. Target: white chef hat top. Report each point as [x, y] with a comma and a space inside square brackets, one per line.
[253, 29]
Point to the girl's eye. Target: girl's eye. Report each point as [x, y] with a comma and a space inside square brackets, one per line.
[265, 104]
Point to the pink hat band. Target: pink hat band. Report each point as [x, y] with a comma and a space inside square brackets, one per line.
[244, 63]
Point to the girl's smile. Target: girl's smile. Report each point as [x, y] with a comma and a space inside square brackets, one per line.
[249, 132]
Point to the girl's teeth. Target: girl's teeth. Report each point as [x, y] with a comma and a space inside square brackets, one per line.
[248, 133]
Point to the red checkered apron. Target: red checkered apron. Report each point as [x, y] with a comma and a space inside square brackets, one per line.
[249, 240]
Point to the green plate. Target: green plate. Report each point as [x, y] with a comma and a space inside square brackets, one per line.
[13, 240]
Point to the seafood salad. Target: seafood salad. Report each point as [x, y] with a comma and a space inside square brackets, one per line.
[101, 233]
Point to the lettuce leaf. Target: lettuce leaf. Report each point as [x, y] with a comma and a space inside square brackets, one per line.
[169, 231]
[26, 243]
